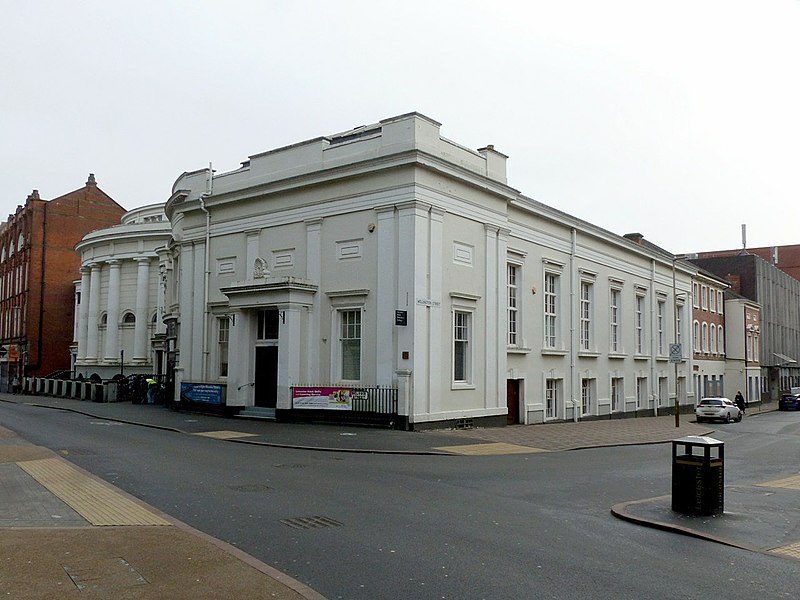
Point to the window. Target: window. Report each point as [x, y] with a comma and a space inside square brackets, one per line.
[704, 297]
[614, 308]
[513, 305]
[720, 340]
[695, 295]
[350, 344]
[551, 399]
[755, 348]
[696, 336]
[616, 393]
[712, 300]
[586, 396]
[586, 316]
[267, 325]
[749, 347]
[721, 305]
[129, 319]
[223, 335]
[660, 327]
[704, 347]
[550, 310]
[639, 324]
[679, 326]
[461, 346]
[713, 340]
[641, 392]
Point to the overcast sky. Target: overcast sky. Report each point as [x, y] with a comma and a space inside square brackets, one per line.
[676, 119]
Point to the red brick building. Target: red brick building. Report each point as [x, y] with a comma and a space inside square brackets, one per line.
[38, 265]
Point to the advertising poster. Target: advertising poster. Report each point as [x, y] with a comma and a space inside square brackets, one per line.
[202, 393]
[325, 398]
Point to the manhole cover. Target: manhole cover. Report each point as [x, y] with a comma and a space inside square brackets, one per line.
[104, 575]
[249, 487]
[311, 522]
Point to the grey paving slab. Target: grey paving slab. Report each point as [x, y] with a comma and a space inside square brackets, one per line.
[26, 503]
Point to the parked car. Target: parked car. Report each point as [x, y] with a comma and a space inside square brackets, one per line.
[789, 402]
[717, 409]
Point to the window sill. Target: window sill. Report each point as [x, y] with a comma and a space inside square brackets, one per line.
[641, 357]
[588, 354]
[617, 355]
[517, 350]
[553, 352]
[462, 386]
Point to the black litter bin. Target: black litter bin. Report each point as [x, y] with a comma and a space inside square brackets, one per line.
[698, 476]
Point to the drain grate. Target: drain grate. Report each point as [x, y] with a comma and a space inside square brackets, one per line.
[311, 522]
[464, 423]
[290, 466]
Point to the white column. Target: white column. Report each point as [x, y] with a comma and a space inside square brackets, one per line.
[161, 293]
[83, 313]
[112, 323]
[289, 350]
[186, 308]
[386, 296]
[314, 274]
[93, 316]
[140, 350]
[198, 323]
[437, 352]
[238, 360]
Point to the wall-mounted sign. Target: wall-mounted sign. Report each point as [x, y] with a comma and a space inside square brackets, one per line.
[401, 317]
[428, 302]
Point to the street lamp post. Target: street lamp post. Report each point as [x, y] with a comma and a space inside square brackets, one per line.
[675, 353]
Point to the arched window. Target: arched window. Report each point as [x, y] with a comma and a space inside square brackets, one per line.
[20, 242]
[3, 256]
[11, 249]
[696, 336]
[104, 320]
[720, 340]
[705, 337]
[713, 345]
[129, 319]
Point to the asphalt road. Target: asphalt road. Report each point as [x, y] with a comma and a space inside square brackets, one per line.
[396, 527]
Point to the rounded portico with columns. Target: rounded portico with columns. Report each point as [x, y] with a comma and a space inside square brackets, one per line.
[119, 302]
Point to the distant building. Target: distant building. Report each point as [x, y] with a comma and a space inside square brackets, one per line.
[119, 300]
[742, 346]
[708, 335]
[778, 294]
[38, 265]
[786, 258]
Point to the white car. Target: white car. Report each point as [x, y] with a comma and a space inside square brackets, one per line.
[713, 409]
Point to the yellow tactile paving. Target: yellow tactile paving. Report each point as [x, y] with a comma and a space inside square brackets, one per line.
[792, 551]
[225, 435]
[791, 483]
[96, 502]
[489, 449]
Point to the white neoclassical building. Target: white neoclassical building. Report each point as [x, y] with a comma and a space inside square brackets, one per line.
[322, 274]
[120, 298]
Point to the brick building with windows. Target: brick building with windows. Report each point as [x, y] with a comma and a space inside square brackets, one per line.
[38, 266]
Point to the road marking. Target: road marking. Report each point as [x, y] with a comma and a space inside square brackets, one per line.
[791, 483]
[792, 551]
[490, 449]
[226, 435]
[94, 500]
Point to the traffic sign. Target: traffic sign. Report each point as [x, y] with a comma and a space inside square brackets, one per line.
[675, 353]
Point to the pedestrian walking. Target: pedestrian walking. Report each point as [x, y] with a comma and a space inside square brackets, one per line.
[740, 401]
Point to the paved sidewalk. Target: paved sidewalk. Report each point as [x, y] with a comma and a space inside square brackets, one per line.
[56, 542]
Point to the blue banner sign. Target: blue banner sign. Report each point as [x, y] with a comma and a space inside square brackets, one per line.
[202, 393]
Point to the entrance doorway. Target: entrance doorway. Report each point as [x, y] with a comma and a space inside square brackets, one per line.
[512, 398]
[266, 380]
